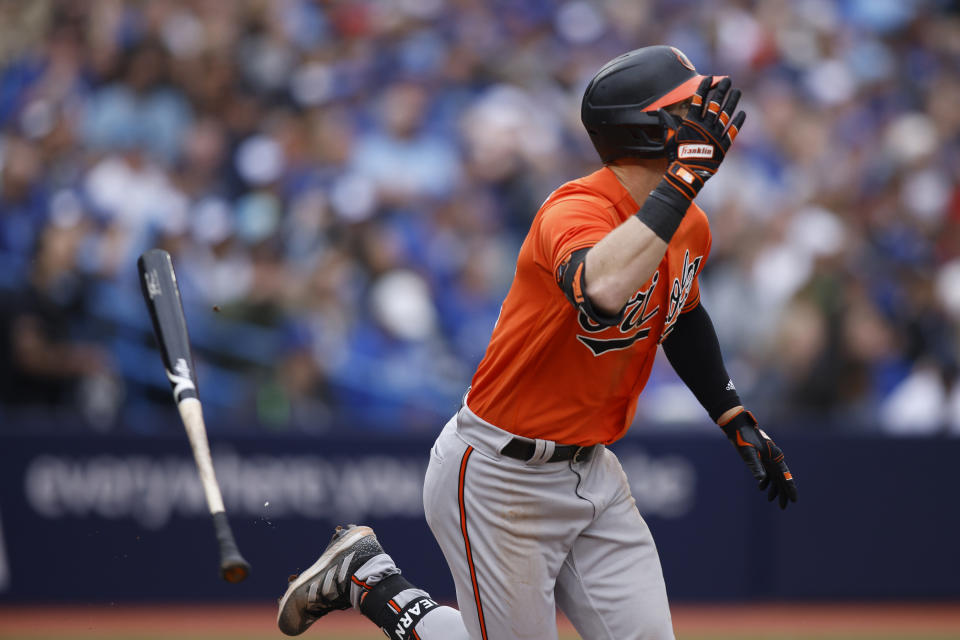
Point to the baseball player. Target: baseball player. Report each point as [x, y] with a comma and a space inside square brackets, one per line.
[530, 508]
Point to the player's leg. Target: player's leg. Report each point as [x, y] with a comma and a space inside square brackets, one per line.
[504, 529]
[354, 571]
[611, 584]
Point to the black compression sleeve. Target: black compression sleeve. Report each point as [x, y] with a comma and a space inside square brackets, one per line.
[694, 352]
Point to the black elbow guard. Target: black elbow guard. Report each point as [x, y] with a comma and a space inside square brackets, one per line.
[571, 278]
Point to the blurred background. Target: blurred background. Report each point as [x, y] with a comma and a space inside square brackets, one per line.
[349, 183]
[344, 187]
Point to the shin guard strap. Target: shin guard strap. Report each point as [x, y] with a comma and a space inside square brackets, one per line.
[375, 605]
[397, 621]
[408, 617]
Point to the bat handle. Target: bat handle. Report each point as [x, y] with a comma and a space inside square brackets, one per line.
[233, 568]
[191, 411]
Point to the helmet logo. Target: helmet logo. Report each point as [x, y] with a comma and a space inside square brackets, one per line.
[682, 57]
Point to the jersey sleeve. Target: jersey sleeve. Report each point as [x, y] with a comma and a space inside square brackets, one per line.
[693, 299]
[568, 225]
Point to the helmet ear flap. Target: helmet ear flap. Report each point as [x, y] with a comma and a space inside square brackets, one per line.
[653, 135]
[670, 125]
[668, 120]
[646, 134]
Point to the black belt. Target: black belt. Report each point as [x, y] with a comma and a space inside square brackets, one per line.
[524, 450]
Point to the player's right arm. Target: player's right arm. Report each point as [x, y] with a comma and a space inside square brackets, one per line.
[618, 265]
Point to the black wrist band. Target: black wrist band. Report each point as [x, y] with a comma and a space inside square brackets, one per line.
[666, 191]
[663, 211]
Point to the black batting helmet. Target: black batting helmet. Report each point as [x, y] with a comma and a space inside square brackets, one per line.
[620, 108]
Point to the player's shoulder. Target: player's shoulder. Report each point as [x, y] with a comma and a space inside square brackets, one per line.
[594, 192]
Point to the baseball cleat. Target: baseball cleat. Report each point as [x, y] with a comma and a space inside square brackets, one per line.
[326, 586]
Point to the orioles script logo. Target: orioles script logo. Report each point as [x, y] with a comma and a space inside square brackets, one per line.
[636, 314]
[679, 292]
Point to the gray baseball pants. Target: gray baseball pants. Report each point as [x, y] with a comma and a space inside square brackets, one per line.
[522, 538]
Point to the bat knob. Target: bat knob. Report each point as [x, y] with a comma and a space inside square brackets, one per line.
[233, 568]
[236, 571]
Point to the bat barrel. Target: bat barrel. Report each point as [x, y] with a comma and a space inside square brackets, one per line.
[158, 281]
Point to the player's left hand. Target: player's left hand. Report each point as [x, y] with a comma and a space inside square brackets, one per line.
[762, 456]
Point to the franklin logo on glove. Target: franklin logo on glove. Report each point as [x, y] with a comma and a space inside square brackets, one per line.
[695, 151]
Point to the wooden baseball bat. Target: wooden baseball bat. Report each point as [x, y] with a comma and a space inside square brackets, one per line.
[159, 285]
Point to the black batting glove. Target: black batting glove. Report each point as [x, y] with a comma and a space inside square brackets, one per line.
[703, 137]
[762, 456]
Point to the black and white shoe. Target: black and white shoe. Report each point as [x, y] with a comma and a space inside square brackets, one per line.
[331, 583]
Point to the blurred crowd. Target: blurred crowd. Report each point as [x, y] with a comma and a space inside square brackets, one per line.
[344, 186]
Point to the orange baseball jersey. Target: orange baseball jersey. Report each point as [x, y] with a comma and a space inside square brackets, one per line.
[549, 371]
